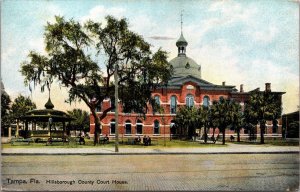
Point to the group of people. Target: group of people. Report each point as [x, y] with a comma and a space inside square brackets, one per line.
[81, 138]
[146, 140]
[231, 138]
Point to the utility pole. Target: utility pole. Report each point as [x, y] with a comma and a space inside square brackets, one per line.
[116, 109]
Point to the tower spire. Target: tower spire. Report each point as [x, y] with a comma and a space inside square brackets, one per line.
[181, 15]
[181, 42]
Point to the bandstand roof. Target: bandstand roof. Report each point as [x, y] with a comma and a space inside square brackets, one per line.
[43, 115]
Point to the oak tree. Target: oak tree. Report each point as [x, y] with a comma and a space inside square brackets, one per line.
[74, 61]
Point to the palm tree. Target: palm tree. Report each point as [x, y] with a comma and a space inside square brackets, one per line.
[263, 106]
[220, 113]
[237, 118]
[187, 119]
[204, 118]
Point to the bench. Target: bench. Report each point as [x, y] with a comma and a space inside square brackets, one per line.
[103, 140]
[209, 140]
[133, 141]
[41, 139]
[21, 141]
[79, 140]
[52, 140]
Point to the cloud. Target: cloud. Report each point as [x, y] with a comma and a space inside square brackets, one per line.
[37, 45]
[228, 12]
[161, 38]
[7, 53]
[218, 60]
[144, 24]
[98, 13]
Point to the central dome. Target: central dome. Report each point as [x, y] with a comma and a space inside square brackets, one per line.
[183, 65]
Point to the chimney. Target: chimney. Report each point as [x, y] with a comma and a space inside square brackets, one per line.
[268, 87]
[241, 88]
[223, 83]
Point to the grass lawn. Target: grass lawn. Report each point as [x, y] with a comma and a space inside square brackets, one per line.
[276, 142]
[156, 143]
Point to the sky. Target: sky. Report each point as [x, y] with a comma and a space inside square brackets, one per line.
[245, 42]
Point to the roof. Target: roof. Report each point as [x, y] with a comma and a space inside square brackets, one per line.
[184, 66]
[274, 92]
[43, 115]
[177, 82]
[181, 41]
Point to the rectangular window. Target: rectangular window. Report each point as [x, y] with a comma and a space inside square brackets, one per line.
[173, 105]
[139, 129]
[112, 128]
[128, 128]
[156, 127]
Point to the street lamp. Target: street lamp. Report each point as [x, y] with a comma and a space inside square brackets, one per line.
[116, 109]
[166, 86]
[93, 103]
[50, 121]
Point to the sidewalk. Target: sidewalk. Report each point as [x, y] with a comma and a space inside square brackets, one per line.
[229, 149]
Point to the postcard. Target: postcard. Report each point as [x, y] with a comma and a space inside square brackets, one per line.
[150, 95]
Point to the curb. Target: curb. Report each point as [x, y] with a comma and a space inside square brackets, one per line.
[158, 153]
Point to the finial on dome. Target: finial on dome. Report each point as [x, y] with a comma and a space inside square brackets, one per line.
[49, 104]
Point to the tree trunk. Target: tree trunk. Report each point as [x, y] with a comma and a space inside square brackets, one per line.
[205, 134]
[97, 127]
[238, 135]
[223, 140]
[97, 133]
[262, 131]
[180, 135]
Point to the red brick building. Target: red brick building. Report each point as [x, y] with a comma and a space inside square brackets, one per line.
[185, 88]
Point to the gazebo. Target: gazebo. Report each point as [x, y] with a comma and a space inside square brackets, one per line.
[49, 117]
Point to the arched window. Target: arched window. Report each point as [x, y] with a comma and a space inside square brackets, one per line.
[112, 127]
[206, 101]
[139, 127]
[127, 127]
[157, 102]
[173, 105]
[173, 127]
[156, 127]
[189, 100]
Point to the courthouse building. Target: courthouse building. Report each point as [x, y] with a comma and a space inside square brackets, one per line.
[186, 87]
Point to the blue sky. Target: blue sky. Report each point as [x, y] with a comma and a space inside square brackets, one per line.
[246, 42]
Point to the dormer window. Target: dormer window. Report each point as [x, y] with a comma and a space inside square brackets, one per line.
[187, 65]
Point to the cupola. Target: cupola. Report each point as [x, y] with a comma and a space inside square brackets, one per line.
[181, 44]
